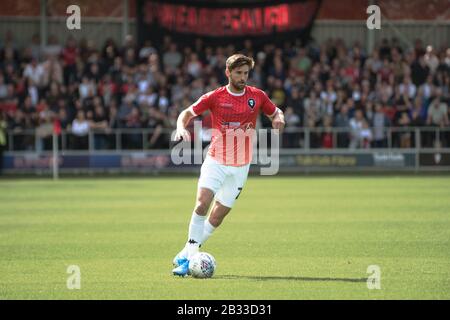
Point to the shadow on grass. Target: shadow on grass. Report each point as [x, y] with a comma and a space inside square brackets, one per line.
[276, 278]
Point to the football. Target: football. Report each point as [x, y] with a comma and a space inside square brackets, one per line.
[202, 265]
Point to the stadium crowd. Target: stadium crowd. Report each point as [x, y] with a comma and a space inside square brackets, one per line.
[332, 84]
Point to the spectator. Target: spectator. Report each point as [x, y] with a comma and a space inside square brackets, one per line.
[437, 117]
[438, 114]
[193, 66]
[379, 123]
[312, 106]
[278, 94]
[146, 51]
[419, 71]
[405, 136]
[100, 127]
[124, 110]
[35, 72]
[431, 59]
[358, 130]
[80, 129]
[35, 47]
[342, 122]
[53, 48]
[291, 136]
[295, 101]
[327, 135]
[132, 140]
[301, 63]
[365, 135]
[315, 136]
[87, 88]
[156, 123]
[172, 59]
[63, 118]
[329, 97]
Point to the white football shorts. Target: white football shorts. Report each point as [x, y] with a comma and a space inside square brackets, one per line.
[225, 181]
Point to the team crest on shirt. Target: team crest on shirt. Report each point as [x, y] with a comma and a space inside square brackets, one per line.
[251, 103]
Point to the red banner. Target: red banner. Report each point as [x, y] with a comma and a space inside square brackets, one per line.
[207, 21]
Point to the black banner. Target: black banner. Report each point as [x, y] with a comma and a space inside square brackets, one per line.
[225, 21]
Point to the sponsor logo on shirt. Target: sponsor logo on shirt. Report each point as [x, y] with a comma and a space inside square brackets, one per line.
[231, 125]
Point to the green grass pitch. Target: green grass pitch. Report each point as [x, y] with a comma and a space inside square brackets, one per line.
[286, 238]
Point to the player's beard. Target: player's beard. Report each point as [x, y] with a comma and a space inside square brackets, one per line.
[238, 85]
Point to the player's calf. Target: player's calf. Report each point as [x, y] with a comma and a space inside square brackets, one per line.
[218, 213]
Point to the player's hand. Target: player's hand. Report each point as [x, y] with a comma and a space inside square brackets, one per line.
[278, 123]
[182, 134]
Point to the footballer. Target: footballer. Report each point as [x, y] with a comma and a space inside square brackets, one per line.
[224, 171]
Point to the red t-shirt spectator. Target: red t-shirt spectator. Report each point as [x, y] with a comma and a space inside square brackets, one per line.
[327, 140]
[69, 55]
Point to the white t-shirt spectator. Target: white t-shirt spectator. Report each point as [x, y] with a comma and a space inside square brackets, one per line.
[34, 94]
[366, 133]
[172, 59]
[437, 113]
[80, 128]
[194, 68]
[35, 73]
[163, 103]
[85, 88]
[148, 98]
[409, 88]
[143, 85]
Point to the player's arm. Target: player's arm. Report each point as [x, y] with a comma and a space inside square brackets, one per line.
[277, 119]
[272, 112]
[182, 122]
[201, 105]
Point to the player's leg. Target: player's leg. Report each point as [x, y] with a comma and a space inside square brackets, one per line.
[225, 199]
[218, 213]
[196, 225]
[210, 181]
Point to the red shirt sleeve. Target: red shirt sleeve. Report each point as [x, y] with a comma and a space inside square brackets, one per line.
[202, 104]
[268, 107]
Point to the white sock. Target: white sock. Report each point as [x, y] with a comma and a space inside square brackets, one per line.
[195, 233]
[208, 230]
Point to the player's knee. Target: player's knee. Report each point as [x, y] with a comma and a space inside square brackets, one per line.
[202, 206]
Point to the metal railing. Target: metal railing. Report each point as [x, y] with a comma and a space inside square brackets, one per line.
[292, 138]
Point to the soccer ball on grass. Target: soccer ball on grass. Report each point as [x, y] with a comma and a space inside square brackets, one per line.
[202, 265]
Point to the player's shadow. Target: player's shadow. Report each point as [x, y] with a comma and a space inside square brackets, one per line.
[276, 278]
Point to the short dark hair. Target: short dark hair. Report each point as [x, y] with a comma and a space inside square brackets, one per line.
[239, 60]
